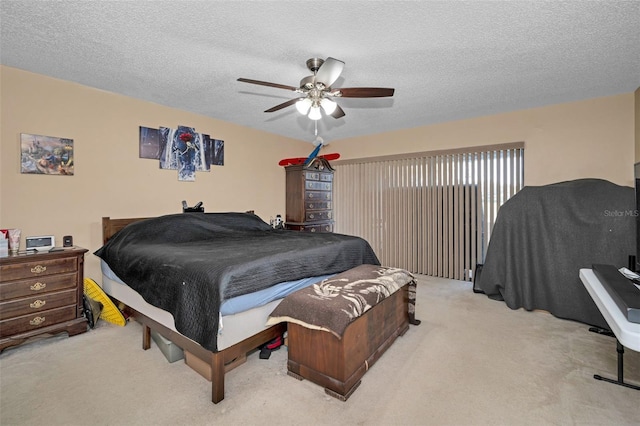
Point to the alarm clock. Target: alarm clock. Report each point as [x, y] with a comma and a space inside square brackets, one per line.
[41, 243]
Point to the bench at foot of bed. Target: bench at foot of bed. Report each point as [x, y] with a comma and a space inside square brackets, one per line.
[338, 363]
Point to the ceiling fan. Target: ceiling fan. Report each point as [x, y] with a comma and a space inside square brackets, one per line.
[317, 91]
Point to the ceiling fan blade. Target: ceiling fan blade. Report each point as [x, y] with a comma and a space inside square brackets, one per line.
[338, 112]
[329, 71]
[283, 105]
[266, 83]
[364, 92]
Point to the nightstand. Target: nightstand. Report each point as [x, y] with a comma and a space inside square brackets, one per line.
[41, 293]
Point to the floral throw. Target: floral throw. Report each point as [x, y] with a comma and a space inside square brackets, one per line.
[332, 304]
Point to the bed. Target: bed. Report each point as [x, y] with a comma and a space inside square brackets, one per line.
[208, 281]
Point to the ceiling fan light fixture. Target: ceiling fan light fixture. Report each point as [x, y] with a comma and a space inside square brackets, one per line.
[328, 106]
[314, 113]
[317, 92]
[303, 106]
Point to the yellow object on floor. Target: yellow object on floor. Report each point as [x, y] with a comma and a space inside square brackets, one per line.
[110, 312]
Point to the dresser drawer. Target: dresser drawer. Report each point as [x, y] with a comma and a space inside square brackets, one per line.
[327, 227]
[319, 227]
[318, 205]
[317, 195]
[37, 268]
[318, 186]
[325, 177]
[30, 305]
[37, 286]
[312, 176]
[32, 322]
[316, 216]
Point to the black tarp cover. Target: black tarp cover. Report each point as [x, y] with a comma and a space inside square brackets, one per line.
[544, 235]
[189, 263]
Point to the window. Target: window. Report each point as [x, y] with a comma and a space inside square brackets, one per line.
[430, 213]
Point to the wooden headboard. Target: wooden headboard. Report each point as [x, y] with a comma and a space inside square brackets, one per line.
[111, 226]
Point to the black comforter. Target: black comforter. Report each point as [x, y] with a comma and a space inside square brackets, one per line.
[189, 263]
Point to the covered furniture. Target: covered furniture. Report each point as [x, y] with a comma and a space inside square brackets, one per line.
[544, 235]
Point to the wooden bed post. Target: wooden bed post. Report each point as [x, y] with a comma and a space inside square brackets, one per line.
[217, 377]
[146, 337]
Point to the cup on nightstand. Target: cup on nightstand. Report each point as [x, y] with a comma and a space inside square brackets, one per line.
[14, 241]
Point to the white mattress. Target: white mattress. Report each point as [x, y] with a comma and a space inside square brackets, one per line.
[233, 327]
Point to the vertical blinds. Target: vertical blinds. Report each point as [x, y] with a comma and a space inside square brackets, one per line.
[430, 213]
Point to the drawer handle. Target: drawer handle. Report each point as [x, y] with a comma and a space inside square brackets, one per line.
[38, 286]
[38, 269]
[37, 321]
[313, 229]
[311, 216]
[311, 195]
[310, 205]
[38, 304]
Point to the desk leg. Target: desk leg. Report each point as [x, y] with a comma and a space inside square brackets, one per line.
[602, 331]
[620, 381]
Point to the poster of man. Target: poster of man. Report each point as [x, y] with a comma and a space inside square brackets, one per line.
[187, 151]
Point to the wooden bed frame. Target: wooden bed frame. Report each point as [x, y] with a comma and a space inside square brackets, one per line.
[220, 361]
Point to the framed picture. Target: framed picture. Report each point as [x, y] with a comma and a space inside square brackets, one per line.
[149, 143]
[46, 155]
[185, 150]
[214, 151]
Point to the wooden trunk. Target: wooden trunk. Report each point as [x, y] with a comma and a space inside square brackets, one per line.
[339, 364]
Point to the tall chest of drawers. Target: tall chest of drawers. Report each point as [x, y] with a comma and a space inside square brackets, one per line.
[309, 206]
[41, 293]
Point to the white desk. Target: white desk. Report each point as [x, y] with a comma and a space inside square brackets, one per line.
[627, 333]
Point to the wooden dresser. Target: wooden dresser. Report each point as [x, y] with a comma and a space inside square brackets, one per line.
[41, 293]
[309, 189]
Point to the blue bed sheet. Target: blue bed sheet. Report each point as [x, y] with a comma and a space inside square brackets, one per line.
[250, 300]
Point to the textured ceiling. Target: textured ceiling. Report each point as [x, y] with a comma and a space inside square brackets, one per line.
[447, 60]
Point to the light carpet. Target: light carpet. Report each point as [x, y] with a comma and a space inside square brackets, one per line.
[472, 361]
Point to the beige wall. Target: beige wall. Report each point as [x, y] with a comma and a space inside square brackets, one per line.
[591, 138]
[110, 179]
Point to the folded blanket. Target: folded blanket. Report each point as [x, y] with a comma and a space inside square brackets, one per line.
[333, 303]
